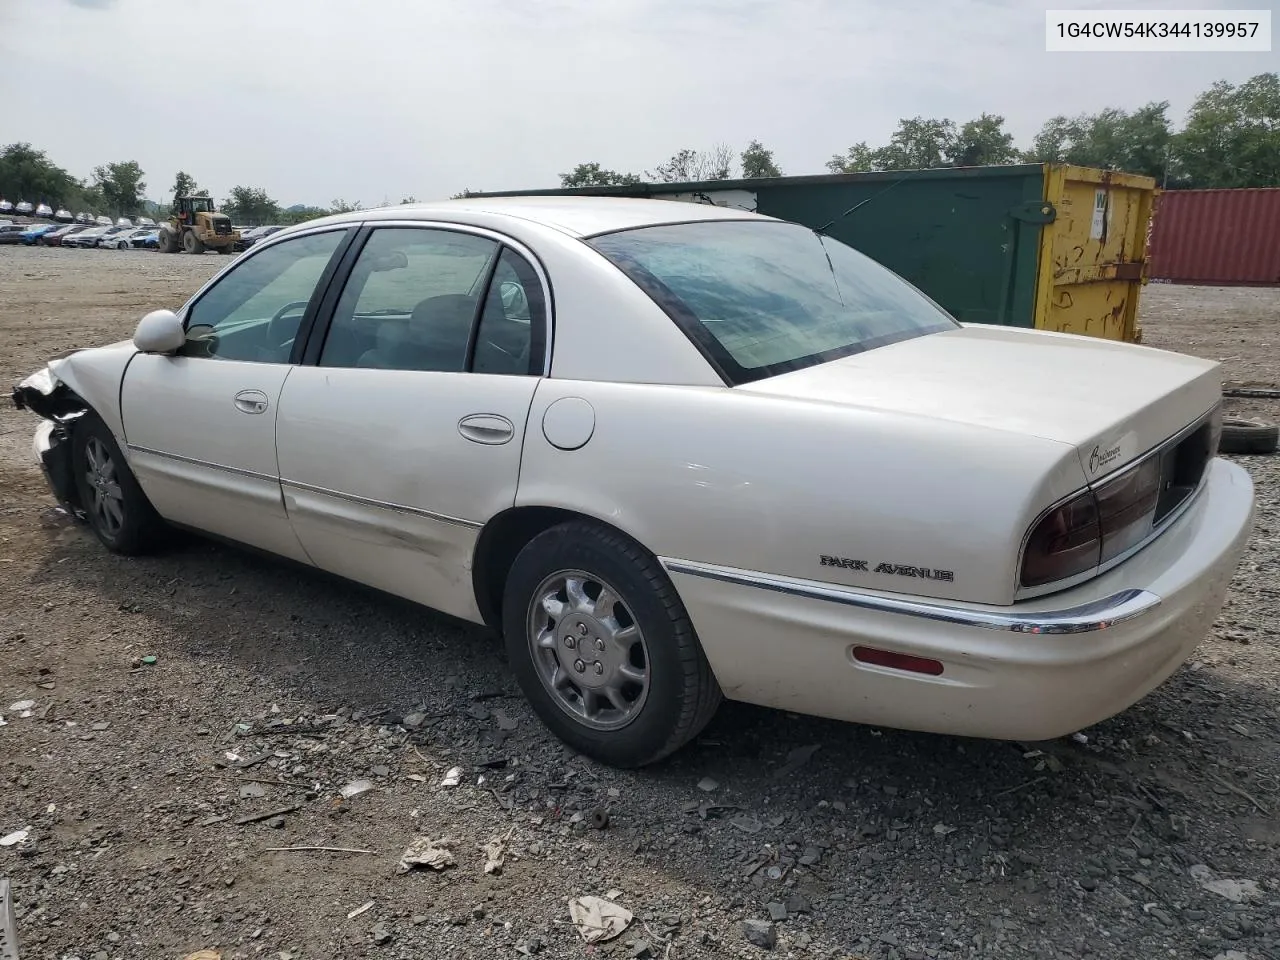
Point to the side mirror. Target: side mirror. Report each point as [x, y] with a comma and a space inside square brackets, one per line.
[160, 331]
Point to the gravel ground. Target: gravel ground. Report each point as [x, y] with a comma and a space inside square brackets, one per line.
[272, 688]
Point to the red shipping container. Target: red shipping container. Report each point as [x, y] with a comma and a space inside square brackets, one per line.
[1224, 237]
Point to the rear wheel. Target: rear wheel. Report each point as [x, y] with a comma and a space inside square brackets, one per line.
[167, 242]
[117, 510]
[603, 648]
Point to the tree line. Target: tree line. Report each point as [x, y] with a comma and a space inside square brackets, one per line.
[1230, 138]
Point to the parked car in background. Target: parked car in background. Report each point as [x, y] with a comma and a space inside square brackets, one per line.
[124, 239]
[145, 222]
[23, 208]
[34, 231]
[148, 240]
[733, 456]
[124, 222]
[63, 216]
[44, 210]
[104, 221]
[6, 206]
[110, 235]
[85, 238]
[83, 217]
[11, 232]
[54, 238]
[255, 234]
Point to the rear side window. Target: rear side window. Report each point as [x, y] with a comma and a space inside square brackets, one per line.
[761, 298]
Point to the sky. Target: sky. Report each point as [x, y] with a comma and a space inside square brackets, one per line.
[374, 100]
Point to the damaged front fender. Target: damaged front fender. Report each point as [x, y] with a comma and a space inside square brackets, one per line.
[45, 395]
[73, 384]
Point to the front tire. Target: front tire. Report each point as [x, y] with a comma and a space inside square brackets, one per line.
[118, 512]
[191, 243]
[603, 648]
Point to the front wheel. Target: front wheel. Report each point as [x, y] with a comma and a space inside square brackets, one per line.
[118, 512]
[191, 243]
[603, 648]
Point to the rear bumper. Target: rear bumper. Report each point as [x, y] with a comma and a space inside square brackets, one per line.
[1033, 670]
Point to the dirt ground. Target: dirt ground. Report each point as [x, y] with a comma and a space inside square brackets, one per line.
[272, 688]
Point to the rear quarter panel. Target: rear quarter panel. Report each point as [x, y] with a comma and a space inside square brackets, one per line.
[769, 484]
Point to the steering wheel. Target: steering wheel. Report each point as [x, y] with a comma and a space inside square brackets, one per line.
[274, 333]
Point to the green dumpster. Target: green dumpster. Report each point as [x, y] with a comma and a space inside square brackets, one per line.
[1051, 246]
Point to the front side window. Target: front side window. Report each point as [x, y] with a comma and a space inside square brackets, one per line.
[254, 311]
[764, 298]
[434, 300]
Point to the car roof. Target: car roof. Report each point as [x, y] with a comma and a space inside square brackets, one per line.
[577, 216]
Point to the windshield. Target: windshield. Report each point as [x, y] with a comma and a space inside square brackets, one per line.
[761, 298]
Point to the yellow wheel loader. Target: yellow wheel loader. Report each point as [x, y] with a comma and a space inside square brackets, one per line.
[196, 227]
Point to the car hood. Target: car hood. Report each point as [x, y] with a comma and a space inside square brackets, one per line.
[1111, 401]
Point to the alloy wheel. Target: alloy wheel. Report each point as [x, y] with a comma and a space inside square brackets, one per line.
[588, 650]
[106, 499]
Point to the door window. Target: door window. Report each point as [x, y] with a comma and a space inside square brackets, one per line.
[411, 301]
[254, 311]
[509, 339]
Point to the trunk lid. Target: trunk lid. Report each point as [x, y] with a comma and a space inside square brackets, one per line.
[1111, 401]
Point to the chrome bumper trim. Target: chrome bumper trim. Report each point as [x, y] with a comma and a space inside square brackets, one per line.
[1084, 618]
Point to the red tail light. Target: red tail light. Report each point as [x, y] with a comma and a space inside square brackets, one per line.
[1094, 526]
[1126, 508]
[1067, 541]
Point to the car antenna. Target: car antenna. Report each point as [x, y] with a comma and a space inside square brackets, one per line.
[863, 203]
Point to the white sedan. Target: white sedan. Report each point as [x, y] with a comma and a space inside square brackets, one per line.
[673, 453]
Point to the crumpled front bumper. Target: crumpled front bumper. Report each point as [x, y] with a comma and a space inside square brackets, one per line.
[52, 448]
[43, 394]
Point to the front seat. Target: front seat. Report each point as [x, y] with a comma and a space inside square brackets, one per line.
[434, 337]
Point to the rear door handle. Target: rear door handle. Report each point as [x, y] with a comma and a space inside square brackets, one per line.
[251, 401]
[486, 428]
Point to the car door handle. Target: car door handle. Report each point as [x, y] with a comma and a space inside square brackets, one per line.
[486, 428]
[251, 401]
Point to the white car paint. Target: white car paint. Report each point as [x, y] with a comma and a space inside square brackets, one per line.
[410, 531]
[201, 459]
[773, 646]
[937, 453]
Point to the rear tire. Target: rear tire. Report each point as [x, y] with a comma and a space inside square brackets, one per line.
[167, 242]
[633, 685]
[118, 512]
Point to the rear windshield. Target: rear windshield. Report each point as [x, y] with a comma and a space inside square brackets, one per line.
[761, 298]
